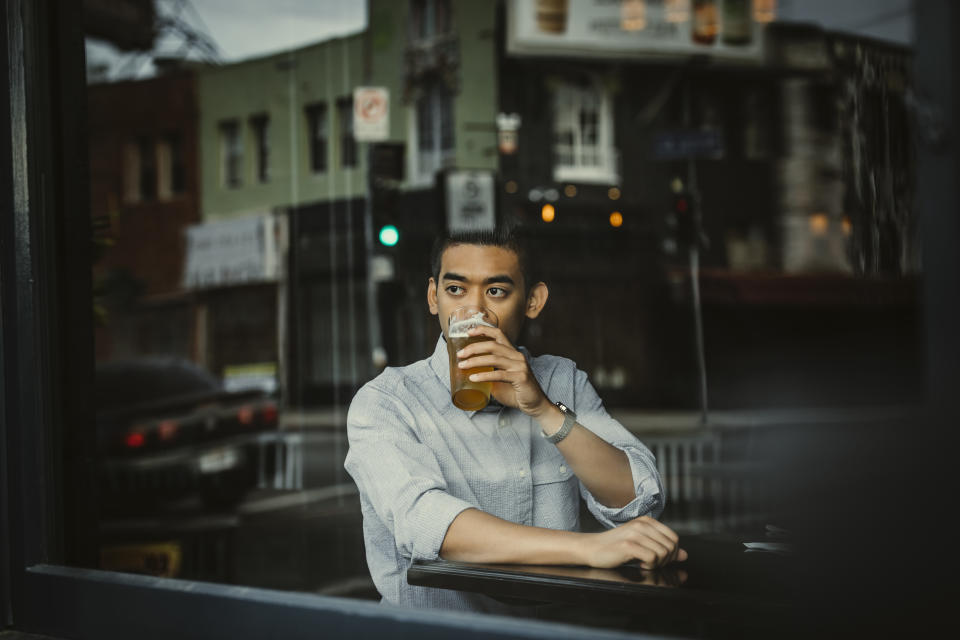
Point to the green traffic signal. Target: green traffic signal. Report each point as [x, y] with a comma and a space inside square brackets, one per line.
[389, 236]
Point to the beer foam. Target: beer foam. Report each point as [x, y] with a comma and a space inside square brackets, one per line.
[460, 328]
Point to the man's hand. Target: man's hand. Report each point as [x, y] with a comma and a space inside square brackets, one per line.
[514, 384]
[645, 539]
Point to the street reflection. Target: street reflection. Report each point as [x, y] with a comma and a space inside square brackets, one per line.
[723, 192]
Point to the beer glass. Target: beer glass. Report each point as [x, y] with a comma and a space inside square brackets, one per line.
[466, 394]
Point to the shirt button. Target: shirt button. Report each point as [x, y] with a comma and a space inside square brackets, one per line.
[503, 422]
[563, 469]
[523, 473]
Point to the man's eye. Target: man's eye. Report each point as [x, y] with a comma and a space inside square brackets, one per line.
[497, 292]
[454, 290]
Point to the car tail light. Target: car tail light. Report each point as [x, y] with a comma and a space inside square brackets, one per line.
[134, 439]
[245, 415]
[269, 414]
[167, 430]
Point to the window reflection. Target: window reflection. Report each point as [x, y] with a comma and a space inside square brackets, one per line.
[766, 197]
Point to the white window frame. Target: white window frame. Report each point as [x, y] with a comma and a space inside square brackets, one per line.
[568, 99]
[227, 150]
[426, 162]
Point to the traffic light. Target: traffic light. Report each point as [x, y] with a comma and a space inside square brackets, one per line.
[681, 228]
[389, 235]
[386, 174]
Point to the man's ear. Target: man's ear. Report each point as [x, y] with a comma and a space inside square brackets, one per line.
[536, 300]
[432, 297]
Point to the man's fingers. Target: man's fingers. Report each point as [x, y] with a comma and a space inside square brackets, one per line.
[659, 553]
[497, 375]
[491, 360]
[494, 332]
[682, 555]
[647, 558]
[660, 527]
[490, 346]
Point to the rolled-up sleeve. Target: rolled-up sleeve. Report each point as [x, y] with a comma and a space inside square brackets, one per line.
[649, 493]
[398, 476]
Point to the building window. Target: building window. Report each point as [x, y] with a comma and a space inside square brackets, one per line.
[435, 137]
[429, 19]
[171, 172]
[148, 168]
[583, 134]
[317, 132]
[348, 144]
[231, 154]
[260, 126]
[131, 172]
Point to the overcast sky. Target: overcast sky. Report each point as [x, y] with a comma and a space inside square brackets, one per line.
[245, 28]
[249, 28]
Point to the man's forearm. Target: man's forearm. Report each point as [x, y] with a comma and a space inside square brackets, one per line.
[603, 468]
[477, 536]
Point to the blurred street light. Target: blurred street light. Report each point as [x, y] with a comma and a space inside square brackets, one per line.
[548, 213]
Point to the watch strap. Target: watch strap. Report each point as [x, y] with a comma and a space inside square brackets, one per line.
[569, 419]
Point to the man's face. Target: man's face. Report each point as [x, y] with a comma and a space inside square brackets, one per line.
[487, 277]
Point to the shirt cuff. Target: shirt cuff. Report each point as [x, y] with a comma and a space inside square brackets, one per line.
[433, 514]
[649, 498]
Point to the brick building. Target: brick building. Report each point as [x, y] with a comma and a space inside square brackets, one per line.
[143, 194]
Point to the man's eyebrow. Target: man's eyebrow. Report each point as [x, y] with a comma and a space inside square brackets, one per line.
[499, 279]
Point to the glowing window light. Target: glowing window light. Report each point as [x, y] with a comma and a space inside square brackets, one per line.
[677, 10]
[847, 225]
[764, 10]
[633, 15]
[819, 223]
[616, 219]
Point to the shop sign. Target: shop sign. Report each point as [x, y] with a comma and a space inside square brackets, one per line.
[632, 28]
[470, 201]
[231, 252]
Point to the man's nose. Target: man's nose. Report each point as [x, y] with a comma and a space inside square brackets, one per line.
[475, 298]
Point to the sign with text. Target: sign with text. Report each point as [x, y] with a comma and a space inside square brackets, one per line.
[470, 201]
[371, 114]
[228, 252]
[634, 28]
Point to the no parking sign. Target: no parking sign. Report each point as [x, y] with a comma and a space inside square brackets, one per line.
[371, 114]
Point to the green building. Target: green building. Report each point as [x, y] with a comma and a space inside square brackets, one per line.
[287, 238]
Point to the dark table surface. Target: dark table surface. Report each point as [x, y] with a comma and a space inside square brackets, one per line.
[722, 589]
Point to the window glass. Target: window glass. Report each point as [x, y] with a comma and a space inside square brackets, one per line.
[260, 128]
[729, 247]
[317, 131]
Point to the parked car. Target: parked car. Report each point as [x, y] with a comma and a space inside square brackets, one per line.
[167, 428]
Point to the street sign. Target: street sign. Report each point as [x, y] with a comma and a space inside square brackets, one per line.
[371, 114]
[671, 145]
[470, 201]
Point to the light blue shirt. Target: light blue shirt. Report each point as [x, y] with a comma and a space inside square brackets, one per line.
[418, 461]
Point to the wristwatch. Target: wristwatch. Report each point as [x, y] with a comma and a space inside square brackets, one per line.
[569, 419]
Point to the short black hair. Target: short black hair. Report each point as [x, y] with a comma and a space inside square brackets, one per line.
[512, 239]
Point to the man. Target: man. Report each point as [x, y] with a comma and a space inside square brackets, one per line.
[500, 484]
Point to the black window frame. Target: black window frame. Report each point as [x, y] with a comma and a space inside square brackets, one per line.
[231, 164]
[46, 363]
[315, 114]
[260, 126]
[348, 142]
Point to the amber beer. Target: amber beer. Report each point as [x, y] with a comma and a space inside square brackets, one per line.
[466, 394]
